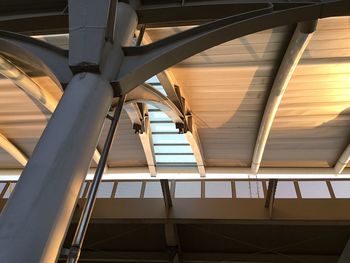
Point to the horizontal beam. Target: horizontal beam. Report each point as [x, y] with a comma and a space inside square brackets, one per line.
[293, 54]
[141, 63]
[241, 210]
[49, 19]
[201, 257]
[212, 173]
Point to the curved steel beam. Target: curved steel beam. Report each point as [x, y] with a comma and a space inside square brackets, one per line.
[134, 114]
[55, 59]
[25, 82]
[147, 145]
[145, 93]
[142, 126]
[141, 63]
[13, 150]
[297, 45]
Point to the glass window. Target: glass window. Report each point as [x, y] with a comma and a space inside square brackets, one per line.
[218, 189]
[249, 189]
[153, 190]
[105, 190]
[314, 189]
[82, 190]
[9, 190]
[285, 189]
[188, 190]
[128, 190]
[2, 186]
[341, 189]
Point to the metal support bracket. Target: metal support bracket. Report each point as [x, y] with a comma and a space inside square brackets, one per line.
[270, 196]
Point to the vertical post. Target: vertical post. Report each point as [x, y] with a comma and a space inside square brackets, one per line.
[270, 196]
[91, 198]
[166, 193]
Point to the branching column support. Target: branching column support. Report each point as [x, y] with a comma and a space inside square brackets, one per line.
[33, 89]
[295, 50]
[36, 218]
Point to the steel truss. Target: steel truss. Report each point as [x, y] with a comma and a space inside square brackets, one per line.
[102, 64]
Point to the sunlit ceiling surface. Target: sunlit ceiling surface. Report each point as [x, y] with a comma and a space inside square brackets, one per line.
[226, 89]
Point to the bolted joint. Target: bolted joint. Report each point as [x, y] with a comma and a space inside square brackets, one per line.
[180, 127]
[85, 67]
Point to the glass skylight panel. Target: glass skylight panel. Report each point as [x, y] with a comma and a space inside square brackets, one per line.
[160, 89]
[158, 116]
[154, 79]
[163, 127]
[172, 149]
[169, 139]
[169, 158]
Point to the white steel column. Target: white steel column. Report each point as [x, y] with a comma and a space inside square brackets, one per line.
[36, 217]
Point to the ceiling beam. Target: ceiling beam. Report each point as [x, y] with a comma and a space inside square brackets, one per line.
[89, 256]
[46, 18]
[142, 62]
[32, 89]
[13, 150]
[295, 50]
[342, 161]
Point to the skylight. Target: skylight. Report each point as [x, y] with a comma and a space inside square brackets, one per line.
[170, 147]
